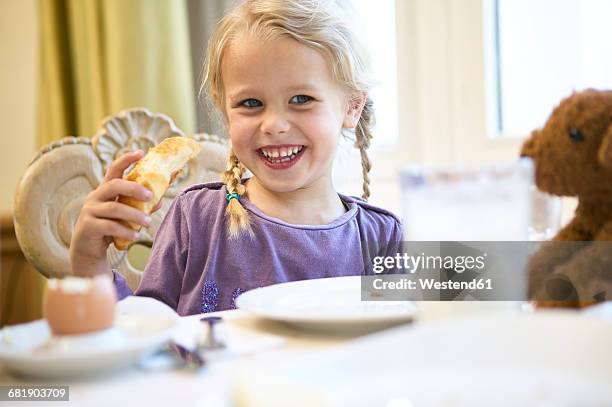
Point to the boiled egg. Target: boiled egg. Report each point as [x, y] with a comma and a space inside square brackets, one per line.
[78, 305]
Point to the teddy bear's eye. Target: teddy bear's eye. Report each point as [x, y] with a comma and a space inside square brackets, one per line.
[576, 135]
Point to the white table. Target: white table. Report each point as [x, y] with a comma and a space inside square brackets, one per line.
[212, 385]
[208, 386]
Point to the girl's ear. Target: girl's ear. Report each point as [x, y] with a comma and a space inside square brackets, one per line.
[354, 108]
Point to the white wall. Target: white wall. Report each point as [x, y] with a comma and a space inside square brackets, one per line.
[18, 77]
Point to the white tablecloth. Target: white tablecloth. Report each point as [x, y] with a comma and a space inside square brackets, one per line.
[275, 346]
[208, 386]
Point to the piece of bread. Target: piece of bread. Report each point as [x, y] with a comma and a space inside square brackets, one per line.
[156, 171]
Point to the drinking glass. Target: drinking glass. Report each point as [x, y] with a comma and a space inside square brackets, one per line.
[546, 215]
[462, 203]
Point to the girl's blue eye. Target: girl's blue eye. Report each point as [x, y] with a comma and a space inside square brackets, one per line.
[250, 103]
[301, 99]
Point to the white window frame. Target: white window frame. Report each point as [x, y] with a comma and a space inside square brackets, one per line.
[442, 96]
[452, 75]
[444, 102]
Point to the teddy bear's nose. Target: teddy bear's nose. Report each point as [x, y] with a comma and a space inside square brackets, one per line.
[529, 148]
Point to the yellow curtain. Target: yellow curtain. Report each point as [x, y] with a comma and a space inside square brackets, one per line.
[101, 56]
[98, 57]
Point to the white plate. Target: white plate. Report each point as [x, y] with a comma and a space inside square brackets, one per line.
[31, 350]
[325, 304]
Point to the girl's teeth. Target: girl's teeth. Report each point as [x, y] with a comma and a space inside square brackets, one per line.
[281, 155]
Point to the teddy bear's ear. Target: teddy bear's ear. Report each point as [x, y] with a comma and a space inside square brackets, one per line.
[604, 155]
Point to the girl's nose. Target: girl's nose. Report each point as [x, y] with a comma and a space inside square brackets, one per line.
[275, 123]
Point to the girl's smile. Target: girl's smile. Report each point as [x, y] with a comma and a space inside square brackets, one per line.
[280, 157]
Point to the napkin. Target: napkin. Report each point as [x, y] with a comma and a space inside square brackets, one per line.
[189, 331]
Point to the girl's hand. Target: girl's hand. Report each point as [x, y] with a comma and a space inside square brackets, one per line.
[99, 219]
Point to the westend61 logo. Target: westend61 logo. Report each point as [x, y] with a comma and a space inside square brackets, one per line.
[446, 271]
[411, 264]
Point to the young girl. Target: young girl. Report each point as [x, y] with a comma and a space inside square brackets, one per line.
[288, 77]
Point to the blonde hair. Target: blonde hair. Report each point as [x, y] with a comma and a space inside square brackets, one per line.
[324, 25]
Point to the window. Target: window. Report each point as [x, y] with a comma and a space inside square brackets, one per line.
[379, 36]
[542, 50]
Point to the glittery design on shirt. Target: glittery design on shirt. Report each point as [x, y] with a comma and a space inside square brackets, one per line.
[210, 296]
[235, 295]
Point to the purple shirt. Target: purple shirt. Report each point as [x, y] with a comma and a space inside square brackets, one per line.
[195, 267]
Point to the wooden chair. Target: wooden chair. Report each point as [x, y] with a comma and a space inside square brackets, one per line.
[54, 187]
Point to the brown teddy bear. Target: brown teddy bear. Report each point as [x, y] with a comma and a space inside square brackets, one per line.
[572, 155]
